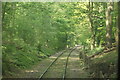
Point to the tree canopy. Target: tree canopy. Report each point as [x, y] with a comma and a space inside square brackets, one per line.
[32, 31]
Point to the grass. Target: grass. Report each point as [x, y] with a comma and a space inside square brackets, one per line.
[106, 63]
[17, 60]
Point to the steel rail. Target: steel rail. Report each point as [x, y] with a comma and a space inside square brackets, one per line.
[65, 69]
[41, 76]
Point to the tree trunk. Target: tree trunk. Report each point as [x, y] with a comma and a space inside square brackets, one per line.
[109, 25]
[91, 25]
[118, 33]
[118, 25]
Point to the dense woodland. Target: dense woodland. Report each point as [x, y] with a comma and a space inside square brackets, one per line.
[34, 31]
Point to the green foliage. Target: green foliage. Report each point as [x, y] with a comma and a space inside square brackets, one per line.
[94, 51]
[33, 31]
[107, 63]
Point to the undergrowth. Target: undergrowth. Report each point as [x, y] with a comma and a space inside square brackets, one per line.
[104, 66]
[94, 51]
[15, 60]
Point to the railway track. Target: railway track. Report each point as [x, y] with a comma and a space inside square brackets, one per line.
[65, 68]
[51, 64]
